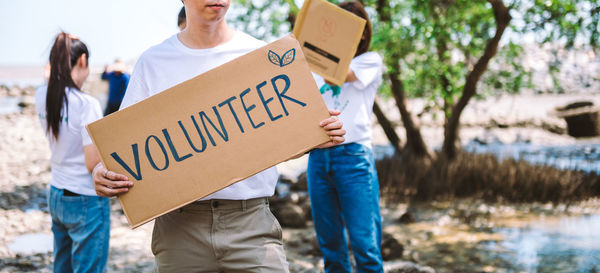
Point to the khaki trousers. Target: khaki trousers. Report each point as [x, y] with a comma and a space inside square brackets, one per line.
[219, 236]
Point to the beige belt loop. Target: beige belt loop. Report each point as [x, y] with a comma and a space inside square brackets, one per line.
[243, 205]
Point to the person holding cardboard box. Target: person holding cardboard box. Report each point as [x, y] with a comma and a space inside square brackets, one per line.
[342, 180]
[80, 218]
[231, 230]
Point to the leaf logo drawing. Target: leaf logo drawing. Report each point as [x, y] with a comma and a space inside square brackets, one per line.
[327, 26]
[287, 58]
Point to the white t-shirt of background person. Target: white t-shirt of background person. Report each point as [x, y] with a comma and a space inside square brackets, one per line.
[170, 63]
[355, 100]
[67, 160]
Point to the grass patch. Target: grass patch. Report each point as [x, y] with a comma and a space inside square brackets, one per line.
[482, 176]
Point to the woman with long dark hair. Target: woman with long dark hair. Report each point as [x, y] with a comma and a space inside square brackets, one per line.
[342, 180]
[80, 218]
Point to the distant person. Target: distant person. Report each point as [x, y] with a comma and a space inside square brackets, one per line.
[342, 180]
[80, 218]
[181, 19]
[117, 84]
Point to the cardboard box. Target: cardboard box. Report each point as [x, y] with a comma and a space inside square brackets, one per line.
[253, 112]
[329, 36]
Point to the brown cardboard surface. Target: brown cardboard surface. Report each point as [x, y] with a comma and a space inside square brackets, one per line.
[282, 123]
[329, 36]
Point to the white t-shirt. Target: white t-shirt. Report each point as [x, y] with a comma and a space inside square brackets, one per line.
[355, 100]
[170, 63]
[67, 160]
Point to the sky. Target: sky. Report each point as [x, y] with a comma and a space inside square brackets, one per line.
[110, 28]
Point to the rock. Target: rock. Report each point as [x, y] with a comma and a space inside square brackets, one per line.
[577, 104]
[391, 249]
[26, 101]
[582, 117]
[28, 91]
[23, 104]
[286, 179]
[314, 242]
[553, 128]
[300, 184]
[14, 92]
[498, 123]
[406, 267]
[282, 189]
[406, 218]
[289, 215]
[307, 210]
[3, 90]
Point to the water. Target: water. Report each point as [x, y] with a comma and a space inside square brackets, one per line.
[382, 151]
[565, 244]
[9, 105]
[585, 157]
[543, 244]
[32, 243]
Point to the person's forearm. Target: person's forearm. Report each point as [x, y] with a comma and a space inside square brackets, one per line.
[91, 157]
[351, 77]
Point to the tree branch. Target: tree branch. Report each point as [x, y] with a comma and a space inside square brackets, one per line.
[502, 17]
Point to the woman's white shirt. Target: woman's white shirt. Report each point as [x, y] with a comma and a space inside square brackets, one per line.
[67, 160]
[355, 100]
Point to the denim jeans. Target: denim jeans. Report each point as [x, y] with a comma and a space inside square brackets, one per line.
[81, 227]
[344, 195]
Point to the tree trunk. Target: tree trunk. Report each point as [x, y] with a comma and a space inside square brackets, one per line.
[442, 48]
[414, 141]
[387, 126]
[502, 16]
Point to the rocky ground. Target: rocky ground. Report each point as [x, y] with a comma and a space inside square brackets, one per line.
[445, 237]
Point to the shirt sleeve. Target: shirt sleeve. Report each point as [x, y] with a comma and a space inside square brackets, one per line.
[90, 114]
[137, 89]
[367, 68]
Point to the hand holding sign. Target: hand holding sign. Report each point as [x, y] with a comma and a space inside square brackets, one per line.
[334, 129]
[109, 184]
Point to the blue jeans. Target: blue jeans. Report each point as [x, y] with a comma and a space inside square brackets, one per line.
[344, 194]
[81, 227]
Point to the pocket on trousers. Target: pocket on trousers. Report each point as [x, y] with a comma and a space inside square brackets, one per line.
[278, 231]
[155, 234]
[74, 209]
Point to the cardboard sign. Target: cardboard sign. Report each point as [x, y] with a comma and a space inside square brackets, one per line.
[213, 130]
[329, 36]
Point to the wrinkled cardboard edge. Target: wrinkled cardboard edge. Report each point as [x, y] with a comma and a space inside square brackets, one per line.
[231, 182]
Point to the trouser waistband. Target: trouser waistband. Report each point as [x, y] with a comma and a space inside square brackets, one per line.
[229, 204]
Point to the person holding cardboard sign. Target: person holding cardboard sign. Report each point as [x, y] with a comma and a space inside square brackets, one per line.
[80, 218]
[342, 180]
[233, 228]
